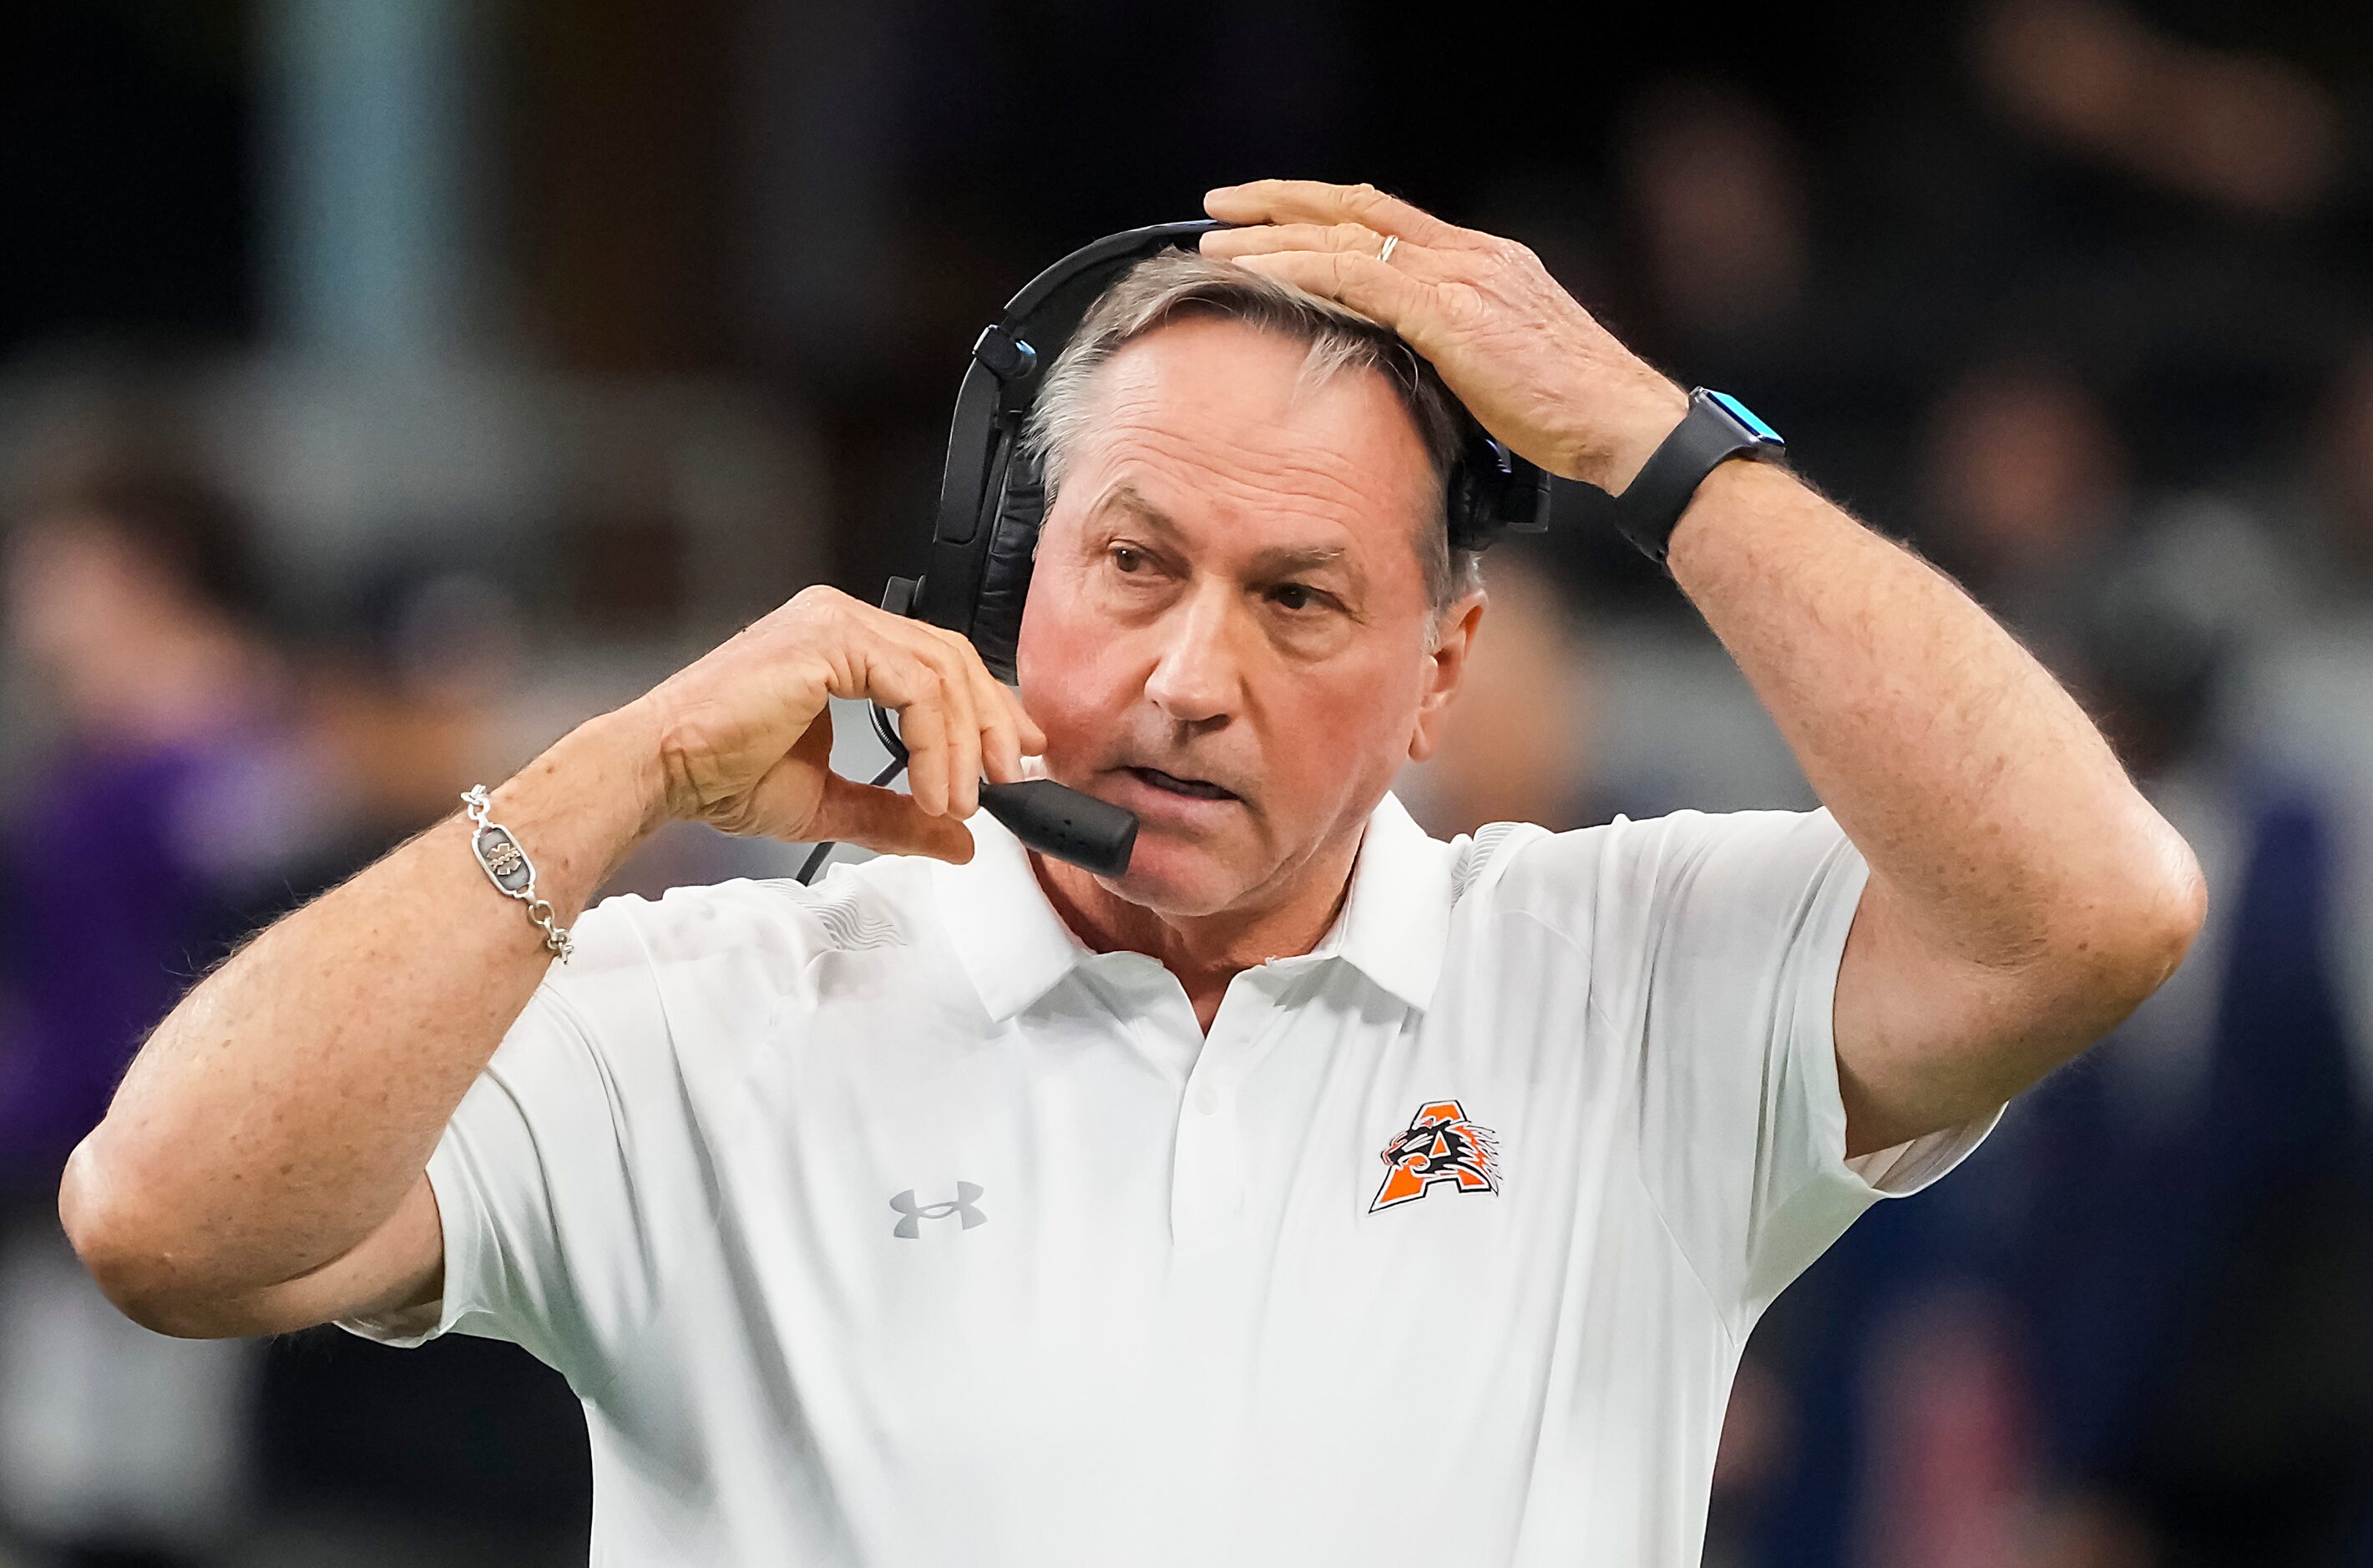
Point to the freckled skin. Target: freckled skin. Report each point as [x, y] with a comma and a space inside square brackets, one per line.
[1181, 617]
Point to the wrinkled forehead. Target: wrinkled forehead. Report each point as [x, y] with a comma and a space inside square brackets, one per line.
[1213, 419]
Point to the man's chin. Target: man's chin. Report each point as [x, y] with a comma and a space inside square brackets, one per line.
[1177, 877]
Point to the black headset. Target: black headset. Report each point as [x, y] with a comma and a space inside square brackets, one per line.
[992, 499]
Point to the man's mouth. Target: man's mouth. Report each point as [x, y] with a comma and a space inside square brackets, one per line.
[1193, 788]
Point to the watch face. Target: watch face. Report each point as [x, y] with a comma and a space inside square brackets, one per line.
[1746, 416]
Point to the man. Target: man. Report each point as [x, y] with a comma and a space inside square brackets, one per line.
[993, 1211]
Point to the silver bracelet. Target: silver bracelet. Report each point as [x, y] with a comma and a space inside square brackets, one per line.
[513, 874]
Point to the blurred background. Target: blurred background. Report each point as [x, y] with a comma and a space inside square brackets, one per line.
[386, 385]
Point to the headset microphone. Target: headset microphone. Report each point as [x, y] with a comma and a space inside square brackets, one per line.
[977, 572]
[1052, 818]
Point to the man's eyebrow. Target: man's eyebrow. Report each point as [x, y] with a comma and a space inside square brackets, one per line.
[1288, 560]
[1284, 560]
[1127, 497]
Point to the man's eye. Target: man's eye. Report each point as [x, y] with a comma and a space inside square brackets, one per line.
[1125, 558]
[1294, 596]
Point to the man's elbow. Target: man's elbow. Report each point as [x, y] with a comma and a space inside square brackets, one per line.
[2134, 934]
[2170, 905]
[135, 1254]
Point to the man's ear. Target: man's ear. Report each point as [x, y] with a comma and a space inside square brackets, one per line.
[1444, 668]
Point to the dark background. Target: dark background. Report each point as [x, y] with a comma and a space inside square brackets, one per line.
[525, 349]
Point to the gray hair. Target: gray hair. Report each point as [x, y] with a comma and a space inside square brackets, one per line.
[1178, 285]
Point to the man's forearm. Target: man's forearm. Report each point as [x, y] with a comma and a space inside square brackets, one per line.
[1987, 803]
[1960, 770]
[286, 1107]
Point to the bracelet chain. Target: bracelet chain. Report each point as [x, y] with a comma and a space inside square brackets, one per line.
[507, 865]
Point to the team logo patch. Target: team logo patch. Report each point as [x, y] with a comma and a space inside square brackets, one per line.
[1440, 1146]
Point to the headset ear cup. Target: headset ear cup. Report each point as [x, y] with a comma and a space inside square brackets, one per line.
[1006, 564]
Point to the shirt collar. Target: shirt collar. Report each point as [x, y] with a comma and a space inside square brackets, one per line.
[1008, 937]
[1014, 948]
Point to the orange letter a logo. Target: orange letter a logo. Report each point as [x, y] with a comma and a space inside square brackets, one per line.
[1440, 1145]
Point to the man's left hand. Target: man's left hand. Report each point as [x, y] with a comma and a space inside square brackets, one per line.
[1519, 351]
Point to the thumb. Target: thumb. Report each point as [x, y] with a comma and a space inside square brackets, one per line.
[885, 822]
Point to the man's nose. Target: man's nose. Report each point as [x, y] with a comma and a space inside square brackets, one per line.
[1196, 674]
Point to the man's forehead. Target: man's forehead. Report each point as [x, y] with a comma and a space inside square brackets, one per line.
[1226, 406]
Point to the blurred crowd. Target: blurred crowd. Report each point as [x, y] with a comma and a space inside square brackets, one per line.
[2074, 297]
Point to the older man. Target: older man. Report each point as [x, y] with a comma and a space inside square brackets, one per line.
[1314, 1191]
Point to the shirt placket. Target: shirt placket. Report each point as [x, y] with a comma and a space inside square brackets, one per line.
[1208, 1159]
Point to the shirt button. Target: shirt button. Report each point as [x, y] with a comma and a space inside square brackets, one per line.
[1207, 1100]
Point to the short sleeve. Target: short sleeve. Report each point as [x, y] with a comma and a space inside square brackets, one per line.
[1741, 921]
[546, 1243]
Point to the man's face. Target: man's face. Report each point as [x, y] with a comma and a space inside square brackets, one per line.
[1228, 630]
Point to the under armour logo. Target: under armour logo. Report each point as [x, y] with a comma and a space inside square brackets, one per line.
[911, 1225]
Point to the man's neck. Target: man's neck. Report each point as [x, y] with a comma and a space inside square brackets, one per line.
[1205, 952]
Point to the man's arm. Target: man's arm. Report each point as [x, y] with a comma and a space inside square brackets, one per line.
[262, 1167]
[2023, 896]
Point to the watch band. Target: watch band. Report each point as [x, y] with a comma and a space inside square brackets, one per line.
[1716, 428]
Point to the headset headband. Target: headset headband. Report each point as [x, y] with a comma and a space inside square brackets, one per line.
[977, 572]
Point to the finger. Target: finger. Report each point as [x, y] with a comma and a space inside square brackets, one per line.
[929, 732]
[886, 822]
[1381, 292]
[1349, 239]
[893, 676]
[1311, 201]
[964, 720]
[1007, 730]
[1034, 739]
[1259, 237]
[937, 720]
[997, 736]
[1000, 732]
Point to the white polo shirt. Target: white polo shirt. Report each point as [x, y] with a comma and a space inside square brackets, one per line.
[884, 1222]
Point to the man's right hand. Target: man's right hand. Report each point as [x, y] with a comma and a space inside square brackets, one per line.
[745, 734]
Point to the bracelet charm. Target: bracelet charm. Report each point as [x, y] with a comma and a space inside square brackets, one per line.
[508, 868]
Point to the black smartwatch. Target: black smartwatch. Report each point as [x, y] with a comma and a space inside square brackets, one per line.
[1716, 428]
